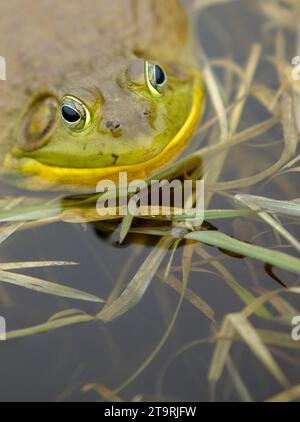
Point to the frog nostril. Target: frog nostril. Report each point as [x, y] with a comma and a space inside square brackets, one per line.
[113, 126]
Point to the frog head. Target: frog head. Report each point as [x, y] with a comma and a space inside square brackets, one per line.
[132, 115]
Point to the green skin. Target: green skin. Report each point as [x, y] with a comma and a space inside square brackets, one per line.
[97, 55]
[129, 125]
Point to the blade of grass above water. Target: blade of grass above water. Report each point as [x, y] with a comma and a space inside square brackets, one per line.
[37, 264]
[290, 208]
[46, 287]
[274, 223]
[7, 231]
[220, 240]
[30, 213]
[125, 227]
[290, 146]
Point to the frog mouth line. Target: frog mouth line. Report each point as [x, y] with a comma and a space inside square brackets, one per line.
[58, 178]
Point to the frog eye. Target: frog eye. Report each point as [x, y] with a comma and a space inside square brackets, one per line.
[74, 113]
[156, 78]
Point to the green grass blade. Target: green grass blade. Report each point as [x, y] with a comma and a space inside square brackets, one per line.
[48, 326]
[220, 240]
[125, 227]
[32, 213]
[290, 208]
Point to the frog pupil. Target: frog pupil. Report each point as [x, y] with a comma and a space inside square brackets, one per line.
[160, 77]
[70, 115]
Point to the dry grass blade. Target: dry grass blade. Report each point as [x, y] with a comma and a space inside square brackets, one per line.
[238, 382]
[254, 342]
[194, 299]
[237, 323]
[279, 339]
[290, 145]
[139, 284]
[37, 264]
[215, 169]
[9, 230]
[104, 392]
[187, 257]
[33, 213]
[288, 395]
[47, 287]
[250, 309]
[173, 252]
[203, 4]
[241, 292]
[271, 221]
[216, 97]
[221, 353]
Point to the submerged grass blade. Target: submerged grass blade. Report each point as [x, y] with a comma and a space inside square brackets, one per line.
[248, 333]
[139, 284]
[237, 323]
[241, 292]
[238, 383]
[49, 326]
[220, 354]
[187, 255]
[47, 287]
[279, 339]
[251, 309]
[190, 296]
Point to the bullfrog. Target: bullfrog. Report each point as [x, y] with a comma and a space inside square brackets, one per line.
[94, 89]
